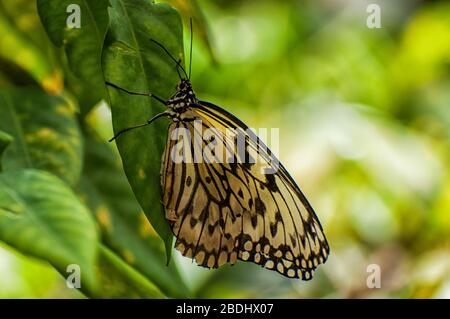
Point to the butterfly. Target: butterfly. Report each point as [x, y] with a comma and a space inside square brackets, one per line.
[221, 211]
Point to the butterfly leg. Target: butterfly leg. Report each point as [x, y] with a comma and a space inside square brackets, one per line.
[157, 116]
[135, 93]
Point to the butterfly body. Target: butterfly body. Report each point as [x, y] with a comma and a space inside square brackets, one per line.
[221, 210]
[181, 102]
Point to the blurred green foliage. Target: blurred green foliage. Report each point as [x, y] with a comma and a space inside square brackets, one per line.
[50, 144]
[364, 118]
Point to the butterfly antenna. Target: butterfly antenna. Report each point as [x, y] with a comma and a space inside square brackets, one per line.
[138, 126]
[178, 69]
[171, 56]
[190, 53]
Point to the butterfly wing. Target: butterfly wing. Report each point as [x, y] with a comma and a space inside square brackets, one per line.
[222, 211]
[193, 208]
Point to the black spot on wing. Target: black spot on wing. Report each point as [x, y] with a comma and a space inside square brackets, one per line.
[260, 206]
[254, 220]
[278, 217]
[293, 240]
[271, 183]
[273, 229]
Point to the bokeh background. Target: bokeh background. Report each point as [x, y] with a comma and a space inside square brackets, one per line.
[364, 118]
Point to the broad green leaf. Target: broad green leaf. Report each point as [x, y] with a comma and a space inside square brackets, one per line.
[40, 216]
[83, 45]
[5, 140]
[124, 227]
[16, 47]
[45, 131]
[132, 61]
[117, 279]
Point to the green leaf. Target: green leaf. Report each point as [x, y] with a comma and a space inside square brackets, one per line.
[124, 227]
[83, 94]
[83, 45]
[40, 216]
[46, 134]
[5, 140]
[119, 280]
[132, 61]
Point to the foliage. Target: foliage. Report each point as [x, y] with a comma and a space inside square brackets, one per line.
[39, 211]
[63, 195]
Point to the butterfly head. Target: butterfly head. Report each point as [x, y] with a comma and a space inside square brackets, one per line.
[184, 86]
[183, 97]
